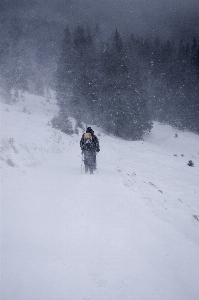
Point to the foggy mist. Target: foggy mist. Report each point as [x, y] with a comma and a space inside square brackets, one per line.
[144, 17]
[71, 46]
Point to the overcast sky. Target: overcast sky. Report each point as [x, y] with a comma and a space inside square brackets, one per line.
[144, 17]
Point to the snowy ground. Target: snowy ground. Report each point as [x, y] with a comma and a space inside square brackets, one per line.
[129, 232]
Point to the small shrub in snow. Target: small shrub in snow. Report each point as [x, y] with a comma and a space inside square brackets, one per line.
[176, 135]
[190, 163]
[78, 125]
[10, 163]
[11, 142]
[182, 155]
[25, 110]
[76, 130]
[48, 95]
[196, 217]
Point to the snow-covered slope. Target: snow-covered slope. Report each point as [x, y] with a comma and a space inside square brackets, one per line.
[131, 231]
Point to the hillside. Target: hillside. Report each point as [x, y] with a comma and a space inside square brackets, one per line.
[130, 231]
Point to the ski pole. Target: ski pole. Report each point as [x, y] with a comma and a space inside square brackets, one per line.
[96, 164]
[82, 162]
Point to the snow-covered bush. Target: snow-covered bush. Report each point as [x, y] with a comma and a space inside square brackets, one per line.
[190, 163]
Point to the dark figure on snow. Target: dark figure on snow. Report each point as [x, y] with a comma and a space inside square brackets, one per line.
[90, 146]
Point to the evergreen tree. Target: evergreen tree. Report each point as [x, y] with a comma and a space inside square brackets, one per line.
[123, 86]
[86, 70]
[62, 122]
[126, 112]
[65, 71]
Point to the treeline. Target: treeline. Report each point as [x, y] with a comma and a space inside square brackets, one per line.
[122, 85]
[118, 83]
[174, 84]
[101, 84]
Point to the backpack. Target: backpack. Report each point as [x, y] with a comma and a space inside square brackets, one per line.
[87, 137]
[88, 141]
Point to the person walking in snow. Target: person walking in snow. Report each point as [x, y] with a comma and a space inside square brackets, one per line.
[89, 144]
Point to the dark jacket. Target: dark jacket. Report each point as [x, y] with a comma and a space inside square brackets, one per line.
[94, 146]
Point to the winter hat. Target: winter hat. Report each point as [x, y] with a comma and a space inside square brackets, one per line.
[89, 129]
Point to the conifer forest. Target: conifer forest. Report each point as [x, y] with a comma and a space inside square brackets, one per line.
[120, 82]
